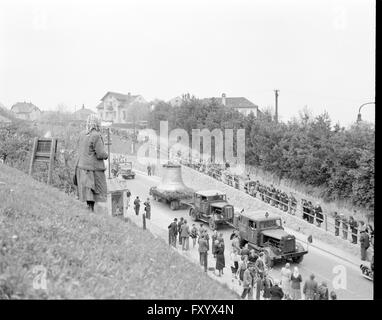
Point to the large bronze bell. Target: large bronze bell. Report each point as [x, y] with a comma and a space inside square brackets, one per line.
[172, 178]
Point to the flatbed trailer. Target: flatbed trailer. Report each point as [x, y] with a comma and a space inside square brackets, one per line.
[173, 198]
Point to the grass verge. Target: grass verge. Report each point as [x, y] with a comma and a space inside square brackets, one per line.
[86, 255]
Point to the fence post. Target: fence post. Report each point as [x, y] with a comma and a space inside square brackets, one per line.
[326, 222]
[144, 221]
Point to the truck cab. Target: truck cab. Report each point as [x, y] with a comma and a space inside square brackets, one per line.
[211, 206]
[265, 233]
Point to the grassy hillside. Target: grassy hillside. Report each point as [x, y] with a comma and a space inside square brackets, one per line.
[86, 255]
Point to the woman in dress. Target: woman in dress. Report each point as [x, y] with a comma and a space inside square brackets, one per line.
[90, 167]
[286, 274]
[296, 280]
[220, 261]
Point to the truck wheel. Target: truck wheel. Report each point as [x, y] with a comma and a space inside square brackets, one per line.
[212, 224]
[174, 205]
[193, 214]
[298, 259]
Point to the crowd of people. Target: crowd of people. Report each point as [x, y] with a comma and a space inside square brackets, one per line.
[249, 270]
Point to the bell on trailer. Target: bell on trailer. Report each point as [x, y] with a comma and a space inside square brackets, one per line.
[172, 178]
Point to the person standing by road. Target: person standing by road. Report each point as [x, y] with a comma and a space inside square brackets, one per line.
[296, 280]
[185, 235]
[181, 221]
[137, 205]
[148, 208]
[286, 274]
[203, 251]
[354, 229]
[236, 243]
[149, 170]
[194, 235]
[365, 244]
[220, 261]
[310, 288]
[214, 237]
[318, 214]
[172, 232]
[247, 283]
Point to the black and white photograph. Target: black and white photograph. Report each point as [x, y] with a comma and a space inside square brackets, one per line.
[187, 150]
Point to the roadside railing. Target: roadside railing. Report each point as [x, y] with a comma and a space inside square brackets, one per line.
[340, 228]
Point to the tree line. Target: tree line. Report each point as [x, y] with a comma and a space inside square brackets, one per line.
[310, 150]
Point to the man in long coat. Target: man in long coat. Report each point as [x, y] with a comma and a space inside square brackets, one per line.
[172, 232]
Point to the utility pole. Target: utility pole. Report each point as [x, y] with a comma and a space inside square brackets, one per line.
[276, 106]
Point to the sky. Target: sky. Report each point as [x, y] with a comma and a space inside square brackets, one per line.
[317, 53]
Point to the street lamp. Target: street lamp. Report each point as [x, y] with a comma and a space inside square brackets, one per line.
[359, 118]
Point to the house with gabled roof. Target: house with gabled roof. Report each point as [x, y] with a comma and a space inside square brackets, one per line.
[82, 114]
[114, 106]
[240, 104]
[26, 111]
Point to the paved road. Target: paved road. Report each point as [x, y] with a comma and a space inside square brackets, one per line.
[323, 265]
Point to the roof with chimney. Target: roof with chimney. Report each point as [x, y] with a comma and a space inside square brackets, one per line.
[24, 107]
[84, 111]
[235, 102]
[120, 96]
[124, 99]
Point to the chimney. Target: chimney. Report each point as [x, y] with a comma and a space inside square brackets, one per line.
[223, 99]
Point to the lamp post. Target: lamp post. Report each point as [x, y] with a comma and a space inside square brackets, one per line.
[359, 117]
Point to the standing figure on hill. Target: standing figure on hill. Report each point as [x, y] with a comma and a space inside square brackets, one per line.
[137, 205]
[90, 167]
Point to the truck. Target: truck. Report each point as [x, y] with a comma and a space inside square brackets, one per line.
[212, 207]
[265, 233]
[123, 169]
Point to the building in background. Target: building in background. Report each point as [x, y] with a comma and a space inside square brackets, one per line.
[117, 107]
[240, 104]
[82, 114]
[26, 111]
